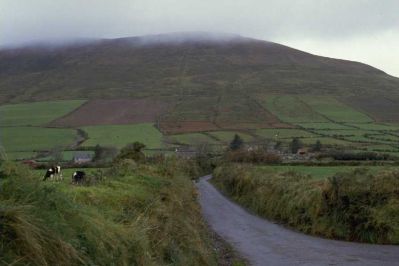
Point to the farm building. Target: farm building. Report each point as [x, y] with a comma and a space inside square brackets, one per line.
[81, 158]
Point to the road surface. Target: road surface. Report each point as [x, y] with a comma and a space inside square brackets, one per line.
[264, 243]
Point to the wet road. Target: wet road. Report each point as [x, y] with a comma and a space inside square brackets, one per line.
[265, 243]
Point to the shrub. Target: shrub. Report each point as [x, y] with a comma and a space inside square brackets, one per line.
[132, 151]
[237, 143]
[253, 156]
[355, 156]
[295, 145]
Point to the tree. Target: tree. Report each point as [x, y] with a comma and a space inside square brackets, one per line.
[203, 157]
[132, 151]
[278, 145]
[237, 143]
[317, 146]
[56, 154]
[295, 145]
[102, 154]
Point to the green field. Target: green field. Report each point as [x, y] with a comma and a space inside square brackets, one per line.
[20, 155]
[326, 141]
[192, 139]
[344, 133]
[290, 109]
[321, 172]
[311, 109]
[335, 110]
[66, 156]
[36, 138]
[283, 133]
[227, 136]
[120, 135]
[35, 114]
[328, 125]
[375, 126]
[318, 117]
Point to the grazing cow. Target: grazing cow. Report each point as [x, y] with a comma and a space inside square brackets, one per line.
[78, 177]
[53, 172]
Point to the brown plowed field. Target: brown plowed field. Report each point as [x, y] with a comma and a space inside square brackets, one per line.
[111, 112]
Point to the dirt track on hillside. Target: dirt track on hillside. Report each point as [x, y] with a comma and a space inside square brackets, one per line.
[265, 243]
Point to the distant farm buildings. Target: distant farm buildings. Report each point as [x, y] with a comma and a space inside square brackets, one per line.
[82, 157]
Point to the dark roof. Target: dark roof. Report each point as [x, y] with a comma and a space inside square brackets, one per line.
[82, 155]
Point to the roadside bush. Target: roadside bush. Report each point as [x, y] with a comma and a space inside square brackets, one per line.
[355, 156]
[356, 206]
[253, 156]
[132, 151]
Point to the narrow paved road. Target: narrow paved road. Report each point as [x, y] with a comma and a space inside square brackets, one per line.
[265, 243]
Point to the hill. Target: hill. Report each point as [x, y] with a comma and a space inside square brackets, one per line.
[180, 64]
[177, 89]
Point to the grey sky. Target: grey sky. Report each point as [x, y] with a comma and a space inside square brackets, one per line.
[362, 30]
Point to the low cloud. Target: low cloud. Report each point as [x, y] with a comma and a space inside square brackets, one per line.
[319, 25]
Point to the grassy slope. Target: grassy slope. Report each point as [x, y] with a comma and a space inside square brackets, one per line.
[107, 68]
[140, 216]
[120, 135]
[35, 114]
[348, 206]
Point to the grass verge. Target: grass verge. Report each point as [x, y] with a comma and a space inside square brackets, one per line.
[355, 206]
[139, 215]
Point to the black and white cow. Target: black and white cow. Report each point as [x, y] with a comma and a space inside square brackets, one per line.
[78, 177]
[53, 173]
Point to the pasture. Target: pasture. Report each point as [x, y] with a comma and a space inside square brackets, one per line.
[36, 113]
[227, 136]
[376, 126]
[20, 155]
[283, 133]
[324, 126]
[192, 139]
[17, 139]
[334, 110]
[327, 141]
[343, 133]
[120, 135]
[290, 109]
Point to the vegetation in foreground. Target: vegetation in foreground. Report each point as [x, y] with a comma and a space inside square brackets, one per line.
[355, 206]
[132, 214]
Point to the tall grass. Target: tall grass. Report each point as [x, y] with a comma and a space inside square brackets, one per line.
[136, 217]
[356, 206]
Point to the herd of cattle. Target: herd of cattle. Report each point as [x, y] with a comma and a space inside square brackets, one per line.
[54, 173]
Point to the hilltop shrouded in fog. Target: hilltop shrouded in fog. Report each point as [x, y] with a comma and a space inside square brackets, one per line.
[184, 64]
[359, 30]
